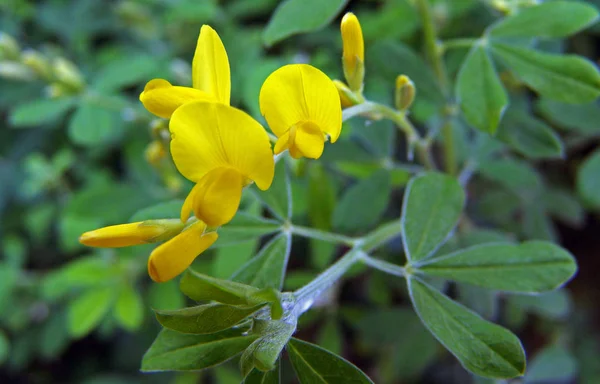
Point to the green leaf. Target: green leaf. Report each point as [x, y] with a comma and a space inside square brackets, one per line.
[553, 305]
[4, 347]
[321, 197]
[125, 71]
[563, 205]
[566, 78]
[330, 336]
[432, 205]
[298, 16]
[529, 136]
[363, 204]
[203, 319]
[166, 296]
[165, 210]
[269, 377]
[278, 198]
[588, 182]
[534, 266]
[580, 118]
[41, 111]
[227, 260]
[517, 176]
[93, 124]
[87, 310]
[201, 287]
[173, 351]
[129, 308]
[245, 227]
[552, 364]
[263, 353]
[483, 348]
[547, 20]
[480, 92]
[314, 364]
[267, 269]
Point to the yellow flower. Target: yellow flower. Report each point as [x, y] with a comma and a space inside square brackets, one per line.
[210, 79]
[301, 105]
[221, 149]
[124, 235]
[353, 57]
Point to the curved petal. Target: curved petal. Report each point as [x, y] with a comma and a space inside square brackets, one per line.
[309, 140]
[210, 66]
[206, 136]
[162, 99]
[174, 256]
[300, 92]
[122, 235]
[218, 196]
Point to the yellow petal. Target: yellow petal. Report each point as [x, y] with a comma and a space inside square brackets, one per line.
[210, 66]
[309, 140]
[206, 136]
[124, 235]
[173, 257]
[218, 196]
[282, 143]
[297, 93]
[162, 99]
[352, 40]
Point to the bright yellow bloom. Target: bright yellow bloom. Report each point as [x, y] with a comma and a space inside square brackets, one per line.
[210, 79]
[221, 149]
[353, 57]
[124, 235]
[301, 105]
[173, 257]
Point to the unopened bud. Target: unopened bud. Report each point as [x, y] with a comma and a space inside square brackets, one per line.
[353, 58]
[15, 71]
[9, 48]
[37, 62]
[155, 152]
[66, 72]
[347, 97]
[160, 129]
[405, 92]
[124, 235]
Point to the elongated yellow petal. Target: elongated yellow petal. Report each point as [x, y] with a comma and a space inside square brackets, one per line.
[210, 66]
[162, 99]
[206, 136]
[352, 40]
[298, 93]
[172, 258]
[124, 235]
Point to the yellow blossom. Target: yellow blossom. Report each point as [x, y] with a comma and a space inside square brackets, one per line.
[124, 235]
[301, 105]
[221, 149]
[210, 79]
[353, 57]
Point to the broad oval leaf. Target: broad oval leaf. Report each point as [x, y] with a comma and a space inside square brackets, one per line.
[567, 78]
[267, 269]
[482, 347]
[88, 310]
[129, 308]
[164, 210]
[549, 20]
[479, 90]
[432, 205]
[534, 266]
[245, 227]
[314, 364]
[278, 198]
[42, 111]
[580, 118]
[588, 180]
[203, 319]
[201, 287]
[93, 124]
[173, 351]
[297, 16]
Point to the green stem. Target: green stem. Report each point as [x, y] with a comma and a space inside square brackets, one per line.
[384, 266]
[321, 235]
[450, 162]
[465, 42]
[381, 236]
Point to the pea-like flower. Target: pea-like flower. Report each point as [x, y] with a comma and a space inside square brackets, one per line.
[211, 79]
[301, 105]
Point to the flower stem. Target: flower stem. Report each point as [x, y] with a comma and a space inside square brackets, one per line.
[321, 235]
[384, 266]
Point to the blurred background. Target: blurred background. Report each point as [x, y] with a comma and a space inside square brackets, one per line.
[78, 151]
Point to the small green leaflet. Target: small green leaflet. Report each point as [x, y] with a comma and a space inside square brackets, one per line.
[482, 347]
[278, 198]
[87, 311]
[173, 351]
[479, 90]
[165, 210]
[314, 364]
[263, 353]
[588, 180]
[201, 287]
[566, 78]
[297, 16]
[531, 267]
[129, 308]
[547, 20]
[41, 112]
[579, 118]
[432, 205]
[552, 364]
[269, 377]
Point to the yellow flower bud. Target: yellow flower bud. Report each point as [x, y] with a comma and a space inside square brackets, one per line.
[37, 62]
[66, 72]
[9, 48]
[155, 152]
[347, 97]
[405, 92]
[124, 235]
[353, 58]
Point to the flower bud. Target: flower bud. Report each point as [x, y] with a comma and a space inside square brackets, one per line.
[15, 71]
[155, 152]
[9, 48]
[124, 235]
[353, 58]
[347, 97]
[405, 92]
[66, 72]
[37, 62]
